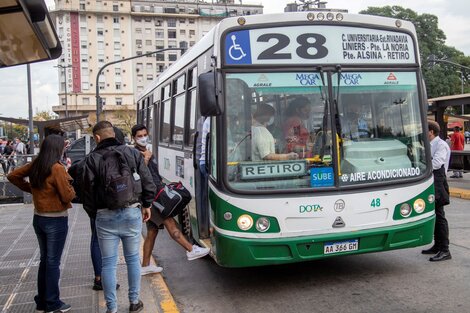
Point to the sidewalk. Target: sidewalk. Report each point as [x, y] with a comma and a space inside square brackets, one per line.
[459, 187]
[19, 261]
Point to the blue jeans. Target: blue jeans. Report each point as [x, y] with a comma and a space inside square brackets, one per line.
[95, 249]
[111, 227]
[51, 233]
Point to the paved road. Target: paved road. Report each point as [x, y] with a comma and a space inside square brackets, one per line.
[396, 281]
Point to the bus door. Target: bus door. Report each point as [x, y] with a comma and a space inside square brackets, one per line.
[200, 179]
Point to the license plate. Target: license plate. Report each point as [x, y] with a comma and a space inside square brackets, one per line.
[341, 246]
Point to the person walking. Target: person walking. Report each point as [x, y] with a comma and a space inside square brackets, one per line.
[457, 143]
[52, 193]
[120, 208]
[440, 154]
[140, 137]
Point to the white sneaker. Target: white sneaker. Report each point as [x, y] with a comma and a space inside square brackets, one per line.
[151, 269]
[197, 252]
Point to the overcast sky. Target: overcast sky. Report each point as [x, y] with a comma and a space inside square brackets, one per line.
[453, 20]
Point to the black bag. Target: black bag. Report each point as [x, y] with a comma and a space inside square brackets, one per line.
[117, 179]
[171, 199]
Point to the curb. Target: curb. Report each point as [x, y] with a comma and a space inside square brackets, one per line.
[460, 193]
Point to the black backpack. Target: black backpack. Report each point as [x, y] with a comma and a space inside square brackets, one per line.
[117, 179]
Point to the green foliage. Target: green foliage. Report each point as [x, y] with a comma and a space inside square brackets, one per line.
[45, 116]
[442, 78]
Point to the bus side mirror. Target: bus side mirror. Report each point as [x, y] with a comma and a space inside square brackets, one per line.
[209, 94]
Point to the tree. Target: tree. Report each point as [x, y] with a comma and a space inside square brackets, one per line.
[20, 131]
[45, 116]
[441, 79]
[125, 119]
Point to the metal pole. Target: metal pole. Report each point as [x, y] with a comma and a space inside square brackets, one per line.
[461, 80]
[98, 99]
[30, 109]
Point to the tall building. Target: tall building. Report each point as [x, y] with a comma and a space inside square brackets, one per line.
[97, 32]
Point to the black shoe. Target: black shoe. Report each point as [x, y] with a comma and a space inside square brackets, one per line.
[98, 286]
[432, 250]
[64, 308]
[454, 176]
[441, 256]
[136, 307]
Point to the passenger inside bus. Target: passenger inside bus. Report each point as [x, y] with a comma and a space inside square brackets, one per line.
[262, 141]
[295, 127]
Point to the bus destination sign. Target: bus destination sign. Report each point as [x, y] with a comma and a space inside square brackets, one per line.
[318, 44]
[264, 170]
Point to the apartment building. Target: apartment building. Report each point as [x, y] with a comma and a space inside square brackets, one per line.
[97, 32]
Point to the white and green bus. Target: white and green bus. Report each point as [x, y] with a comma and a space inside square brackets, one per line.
[353, 173]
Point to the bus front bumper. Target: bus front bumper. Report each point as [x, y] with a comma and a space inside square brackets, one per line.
[242, 252]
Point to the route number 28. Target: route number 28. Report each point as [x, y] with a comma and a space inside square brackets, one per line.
[305, 41]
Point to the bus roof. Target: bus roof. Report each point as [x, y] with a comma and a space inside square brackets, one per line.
[212, 38]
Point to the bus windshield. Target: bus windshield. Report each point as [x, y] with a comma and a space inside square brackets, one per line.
[283, 132]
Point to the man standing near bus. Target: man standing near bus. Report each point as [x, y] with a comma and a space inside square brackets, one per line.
[440, 154]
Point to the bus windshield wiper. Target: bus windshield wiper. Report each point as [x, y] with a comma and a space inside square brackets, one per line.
[325, 113]
[336, 102]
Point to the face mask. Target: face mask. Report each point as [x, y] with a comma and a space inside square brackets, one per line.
[271, 121]
[142, 141]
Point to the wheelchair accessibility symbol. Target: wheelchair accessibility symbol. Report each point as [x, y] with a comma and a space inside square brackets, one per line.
[235, 51]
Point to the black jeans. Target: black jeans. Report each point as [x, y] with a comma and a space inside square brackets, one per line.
[441, 230]
[95, 249]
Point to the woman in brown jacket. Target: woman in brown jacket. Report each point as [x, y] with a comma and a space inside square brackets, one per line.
[50, 185]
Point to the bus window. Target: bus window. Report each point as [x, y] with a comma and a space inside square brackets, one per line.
[150, 122]
[191, 123]
[279, 152]
[192, 117]
[178, 128]
[165, 116]
[179, 109]
[380, 127]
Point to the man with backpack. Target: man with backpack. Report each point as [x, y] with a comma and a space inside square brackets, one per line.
[119, 186]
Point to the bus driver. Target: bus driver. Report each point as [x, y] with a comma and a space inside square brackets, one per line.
[262, 141]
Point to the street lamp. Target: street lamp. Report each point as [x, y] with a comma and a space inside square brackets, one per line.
[65, 67]
[98, 98]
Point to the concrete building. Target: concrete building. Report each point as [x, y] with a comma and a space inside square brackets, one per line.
[96, 32]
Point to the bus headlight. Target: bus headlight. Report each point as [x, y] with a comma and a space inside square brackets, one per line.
[262, 224]
[405, 210]
[431, 198]
[245, 222]
[419, 205]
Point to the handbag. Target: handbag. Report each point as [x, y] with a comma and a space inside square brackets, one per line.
[171, 199]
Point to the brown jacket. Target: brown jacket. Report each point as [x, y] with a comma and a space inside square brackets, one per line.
[57, 193]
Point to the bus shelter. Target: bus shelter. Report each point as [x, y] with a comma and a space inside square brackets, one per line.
[57, 126]
[438, 106]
